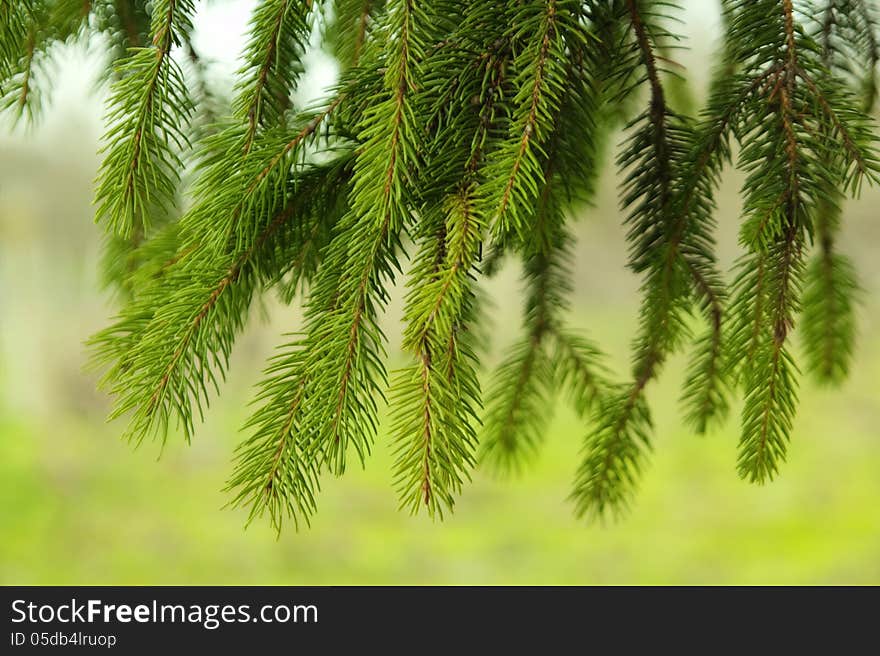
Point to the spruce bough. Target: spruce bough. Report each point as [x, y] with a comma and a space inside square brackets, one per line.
[459, 135]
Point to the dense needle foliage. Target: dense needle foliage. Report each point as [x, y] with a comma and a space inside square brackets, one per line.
[461, 134]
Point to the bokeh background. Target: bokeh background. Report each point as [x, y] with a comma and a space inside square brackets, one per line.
[79, 506]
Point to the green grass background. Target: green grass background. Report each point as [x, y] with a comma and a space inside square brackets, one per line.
[79, 506]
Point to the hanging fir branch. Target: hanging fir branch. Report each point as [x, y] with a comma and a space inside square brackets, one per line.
[350, 29]
[830, 293]
[335, 368]
[280, 31]
[618, 444]
[471, 135]
[847, 36]
[538, 30]
[792, 163]
[157, 351]
[148, 115]
[550, 356]
[437, 398]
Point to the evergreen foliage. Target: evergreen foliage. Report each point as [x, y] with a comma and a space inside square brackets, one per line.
[460, 135]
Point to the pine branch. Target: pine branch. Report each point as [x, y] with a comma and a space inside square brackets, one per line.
[831, 287]
[346, 341]
[515, 169]
[579, 369]
[520, 395]
[437, 398]
[517, 411]
[175, 337]
[771, 386]
[453, 123]
[320, 397]
[274, 473]
[777, 229]
[791, 168]
[517, 403]
[353, 25]
[15, 18]
[706, 389]
[280, 31]
[149, 111]
[829, 303]
[708, 380]
[616, 445]
[24, 98]
[26, 40]
[615, 453]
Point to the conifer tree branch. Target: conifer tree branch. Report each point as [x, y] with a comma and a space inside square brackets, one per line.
[531, 121]
[658, 109]
[435, 449]
[14, 27]
[150, 109]
[831, 287]
[830, 293]
[454, 123]
[353, 21]
[706, 386]
[517, 398]
[272, 470]
[375, 197]
[517, 413]
[23, 48]
[839, 128]
[337, 362]
[280, 30]
[229, 278]
[27, 69]
[790, 175]
[192, 313]
[767, 417]
[776, 237]
[515, 169]
[617, 445]
[579, 370]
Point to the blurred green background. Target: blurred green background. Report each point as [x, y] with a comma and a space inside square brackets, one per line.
[79, 506]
